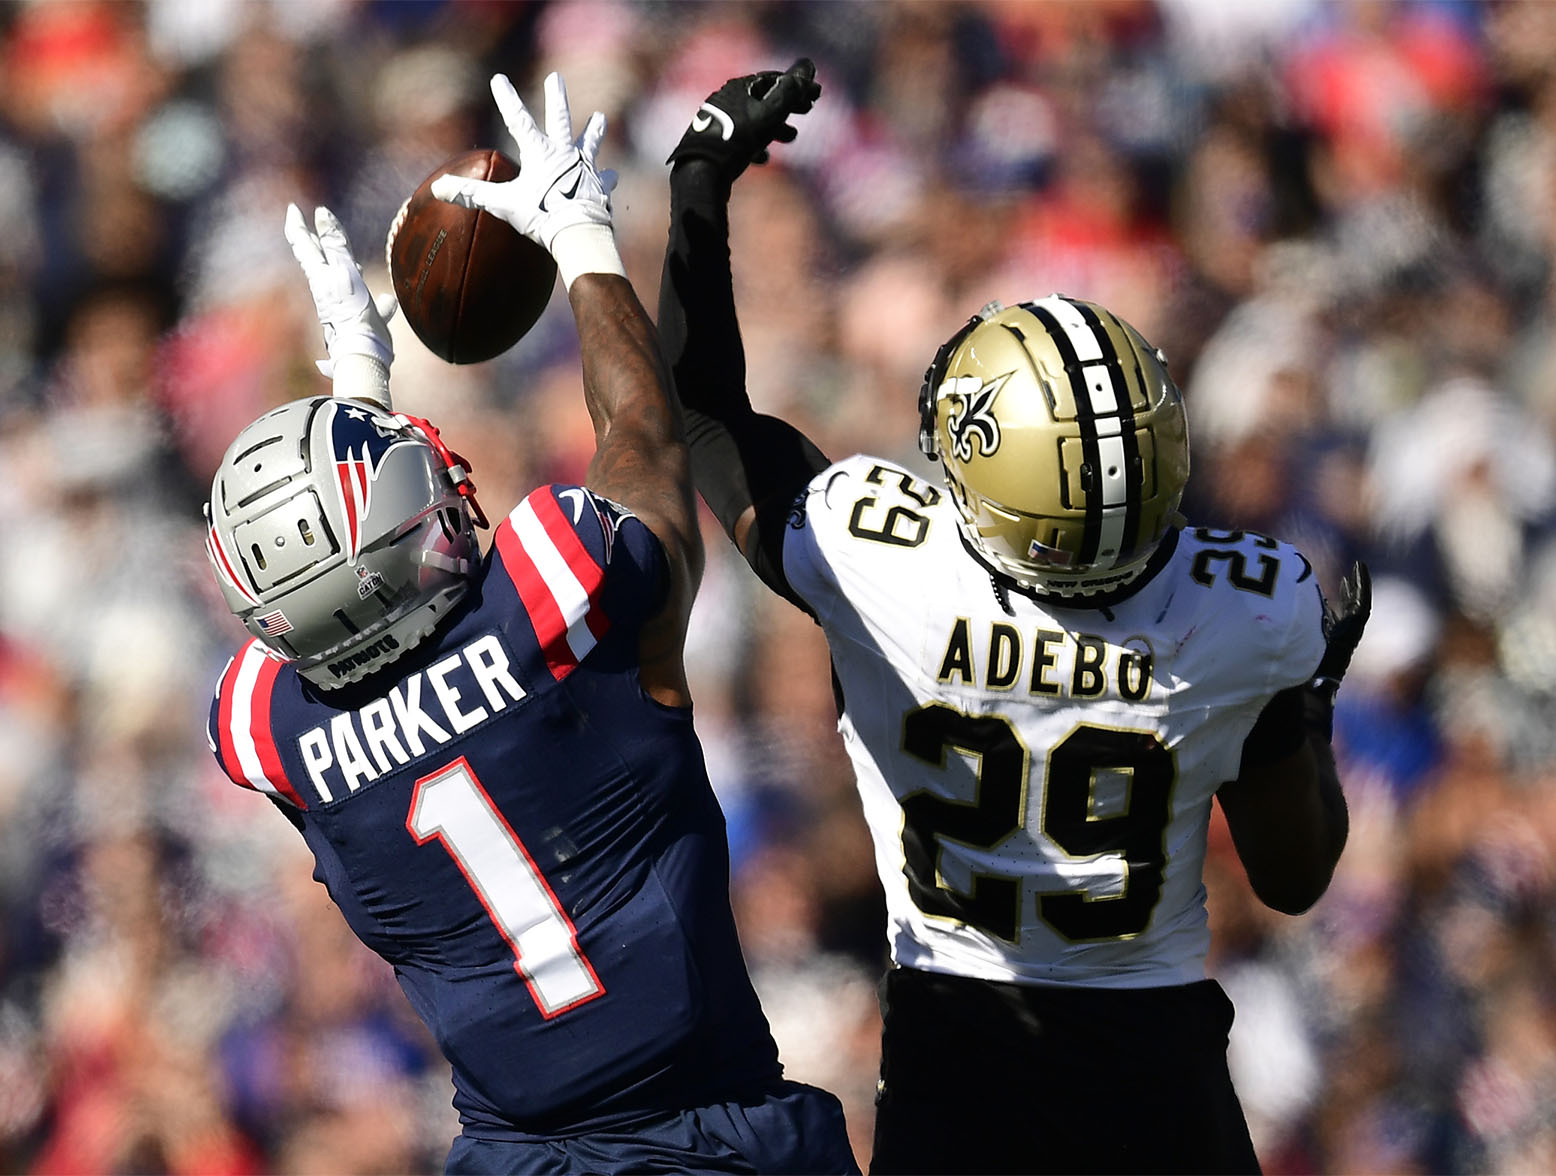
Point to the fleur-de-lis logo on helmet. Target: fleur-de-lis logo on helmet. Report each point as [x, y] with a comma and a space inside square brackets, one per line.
[972, 415]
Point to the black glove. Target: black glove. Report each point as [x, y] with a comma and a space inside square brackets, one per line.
[1342, 631]
[1343, 628]
[734, 126]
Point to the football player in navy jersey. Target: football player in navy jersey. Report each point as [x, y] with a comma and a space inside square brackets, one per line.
[1045, 677]
[492, 756]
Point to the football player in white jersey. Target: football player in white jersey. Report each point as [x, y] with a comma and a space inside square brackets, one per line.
[1046, 677]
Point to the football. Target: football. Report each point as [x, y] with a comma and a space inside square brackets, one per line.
[468, 283]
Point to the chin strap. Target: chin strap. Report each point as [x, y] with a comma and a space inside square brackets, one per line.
[1065, 589]
[458, 468]
[1068, 589]
[1001, 594]
[1098, 596]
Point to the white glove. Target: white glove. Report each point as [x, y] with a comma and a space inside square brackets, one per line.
[559, 199]
[355, 324]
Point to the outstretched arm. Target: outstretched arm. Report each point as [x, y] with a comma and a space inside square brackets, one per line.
[748, 466]
[640, 457]
[356, 324]
[561, 200]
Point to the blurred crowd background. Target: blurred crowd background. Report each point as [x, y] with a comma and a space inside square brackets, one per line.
[1338, 220]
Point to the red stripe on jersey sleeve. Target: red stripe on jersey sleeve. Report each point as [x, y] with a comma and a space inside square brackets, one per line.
[544, 615]
[226, 751]
[579, 558]
[264, 741]
[590, 574]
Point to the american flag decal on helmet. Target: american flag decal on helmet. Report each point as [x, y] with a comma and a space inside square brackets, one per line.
[359, 441]
[1051, 555]
[274, 623]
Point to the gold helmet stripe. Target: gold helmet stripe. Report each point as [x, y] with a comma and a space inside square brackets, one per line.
[1110, 473]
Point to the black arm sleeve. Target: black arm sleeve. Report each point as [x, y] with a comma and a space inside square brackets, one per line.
[1294, 716]
[1290, 717]
[1279, 731]
[740, 458]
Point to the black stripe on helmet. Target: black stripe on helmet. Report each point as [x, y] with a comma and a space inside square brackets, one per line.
[1086, 419]
[1134, 470]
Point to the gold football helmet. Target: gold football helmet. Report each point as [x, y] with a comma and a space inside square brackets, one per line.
[1063, 441]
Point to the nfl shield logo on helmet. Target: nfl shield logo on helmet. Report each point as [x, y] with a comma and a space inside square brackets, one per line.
[368, 582]
[359, 441]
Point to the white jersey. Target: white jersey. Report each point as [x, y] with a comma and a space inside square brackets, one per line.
[1038, 783]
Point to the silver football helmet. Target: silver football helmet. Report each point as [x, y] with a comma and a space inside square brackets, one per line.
[341, 534]
[1063, 440]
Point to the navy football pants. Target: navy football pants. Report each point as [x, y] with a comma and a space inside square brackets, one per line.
[796, 1129]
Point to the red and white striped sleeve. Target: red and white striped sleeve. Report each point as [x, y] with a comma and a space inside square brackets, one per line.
[239, 729]
[557, 557]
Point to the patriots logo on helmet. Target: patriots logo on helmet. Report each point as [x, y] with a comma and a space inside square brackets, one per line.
[973, 415]
[359, 442]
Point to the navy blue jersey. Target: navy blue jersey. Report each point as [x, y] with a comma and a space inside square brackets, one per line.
[506, 817]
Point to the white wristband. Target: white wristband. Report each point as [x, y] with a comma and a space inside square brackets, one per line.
[362, 377]
[586, 249]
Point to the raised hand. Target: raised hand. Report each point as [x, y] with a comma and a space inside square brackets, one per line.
[558, 186]
[1343, 627]
[354, 322]
[734, 127]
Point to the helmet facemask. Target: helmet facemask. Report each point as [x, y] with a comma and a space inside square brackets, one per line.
[341, 535]
[1063, 442]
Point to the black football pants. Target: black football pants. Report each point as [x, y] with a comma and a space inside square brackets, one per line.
[984, 1077]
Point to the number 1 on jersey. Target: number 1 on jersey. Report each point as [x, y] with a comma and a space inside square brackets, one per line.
[451, 805]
